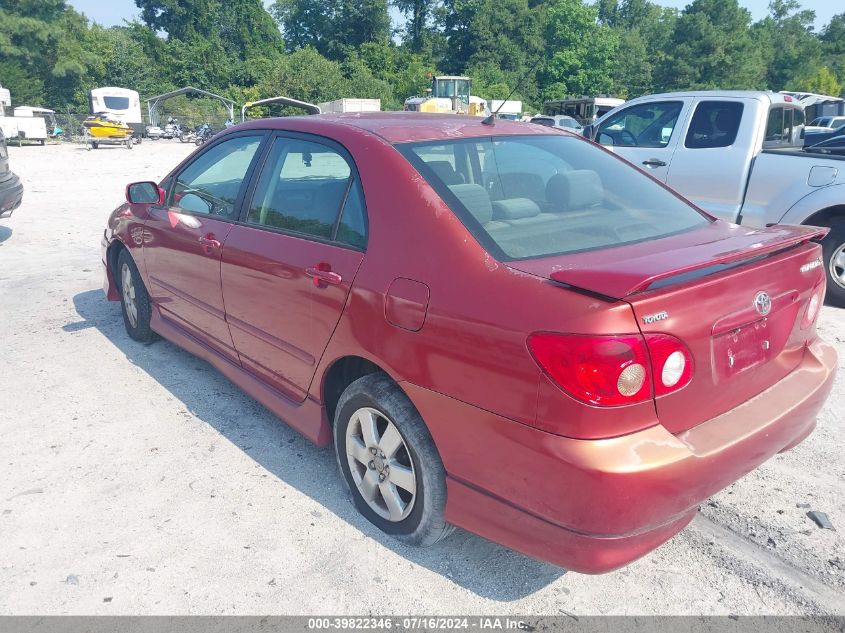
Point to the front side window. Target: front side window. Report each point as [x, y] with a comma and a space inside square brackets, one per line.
[309, 188]
[211, 183]
[534, 196]
[714, 124]
[643, 125]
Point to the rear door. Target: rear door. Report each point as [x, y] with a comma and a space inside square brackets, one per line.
[713, 161]
[646, 134]
[288, 267]
[183, 239]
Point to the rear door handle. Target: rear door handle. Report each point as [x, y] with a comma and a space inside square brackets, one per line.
[654, 162]
[209, 243]
[322, 273]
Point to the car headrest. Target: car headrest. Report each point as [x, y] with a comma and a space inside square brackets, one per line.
[476, 199]
[515, 209]
[445, 171]
[576, 189]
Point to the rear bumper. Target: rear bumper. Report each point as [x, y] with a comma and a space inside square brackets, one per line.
[595, 505]
[11, 194]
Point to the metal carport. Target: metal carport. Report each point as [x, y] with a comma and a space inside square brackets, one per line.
[153, 102]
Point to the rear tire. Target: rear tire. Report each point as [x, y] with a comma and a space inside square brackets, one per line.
[404, 482]
[833, 253]
[133, 299]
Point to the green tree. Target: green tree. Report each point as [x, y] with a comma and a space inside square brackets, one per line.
[785, 37]
[822, 82]
[181, 19]
[712, 48]
[833, 43]
[30, 31]
[580, 52]
[333, 28]
[419, 15]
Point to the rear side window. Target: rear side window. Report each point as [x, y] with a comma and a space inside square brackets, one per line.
[309, 188]
[783, 127]
[524, 197]
[714, 124]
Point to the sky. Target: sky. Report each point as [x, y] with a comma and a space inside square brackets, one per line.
[115, 11]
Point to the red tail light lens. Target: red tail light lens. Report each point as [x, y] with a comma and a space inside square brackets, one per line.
[671, 362]
[601, 370]
[814, 305]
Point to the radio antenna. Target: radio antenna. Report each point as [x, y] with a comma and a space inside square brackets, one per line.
[491, 120]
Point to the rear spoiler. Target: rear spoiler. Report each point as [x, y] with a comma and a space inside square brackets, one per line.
[621, 277]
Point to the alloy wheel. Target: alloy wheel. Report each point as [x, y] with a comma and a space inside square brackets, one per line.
[381, 464]
[837, 266]
[129, 303]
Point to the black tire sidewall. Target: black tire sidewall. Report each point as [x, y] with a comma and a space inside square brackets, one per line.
[141, 331]
[425, 523]
[830, 244]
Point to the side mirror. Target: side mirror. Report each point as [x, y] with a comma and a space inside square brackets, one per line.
[589, 131]
[144, 193]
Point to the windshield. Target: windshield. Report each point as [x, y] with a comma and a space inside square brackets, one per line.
[116, 103]
[524, 197]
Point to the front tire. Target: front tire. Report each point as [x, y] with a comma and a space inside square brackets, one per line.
[134, 299]
[833, 253]
[389, 462]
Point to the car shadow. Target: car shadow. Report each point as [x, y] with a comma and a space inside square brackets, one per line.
[480, 566]
[5, 233]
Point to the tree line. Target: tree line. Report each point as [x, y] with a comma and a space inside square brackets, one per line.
[319, 50]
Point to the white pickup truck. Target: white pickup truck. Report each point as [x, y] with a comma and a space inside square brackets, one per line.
[737, 155]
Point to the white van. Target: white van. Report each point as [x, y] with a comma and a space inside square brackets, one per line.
[122, 104]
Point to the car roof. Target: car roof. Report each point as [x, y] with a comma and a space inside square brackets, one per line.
[773, 97]
[401, 127]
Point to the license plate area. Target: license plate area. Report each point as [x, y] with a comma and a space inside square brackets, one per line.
[742, 349]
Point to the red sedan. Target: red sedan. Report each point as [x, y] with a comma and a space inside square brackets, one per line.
[500, 327]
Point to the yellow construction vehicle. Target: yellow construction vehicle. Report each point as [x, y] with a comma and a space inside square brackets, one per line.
[451, 95]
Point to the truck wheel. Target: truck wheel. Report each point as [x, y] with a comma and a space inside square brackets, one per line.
[389, 461]
[833, 251]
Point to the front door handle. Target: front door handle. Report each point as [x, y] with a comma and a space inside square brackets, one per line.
[322, 273]
[209, 243]
[654, 162]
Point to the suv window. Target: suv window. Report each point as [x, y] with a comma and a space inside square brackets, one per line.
[304, 186]
[211, 183]
[643, 125]
[714, 124]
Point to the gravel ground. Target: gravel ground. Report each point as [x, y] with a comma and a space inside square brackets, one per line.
[137, 480]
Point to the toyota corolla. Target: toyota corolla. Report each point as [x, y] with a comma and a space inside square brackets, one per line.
[500, 327]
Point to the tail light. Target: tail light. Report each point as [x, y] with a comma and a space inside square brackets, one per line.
[671, 362]
[613, 370]
[814, 306]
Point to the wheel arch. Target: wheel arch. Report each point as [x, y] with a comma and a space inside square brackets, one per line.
[341, 373]
[817, 207]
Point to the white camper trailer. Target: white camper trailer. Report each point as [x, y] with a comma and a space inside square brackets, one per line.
[122, 104]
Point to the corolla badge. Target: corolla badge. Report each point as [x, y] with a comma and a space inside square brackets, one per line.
[763, 303]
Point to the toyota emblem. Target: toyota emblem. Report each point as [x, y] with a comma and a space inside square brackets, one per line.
[763, 303]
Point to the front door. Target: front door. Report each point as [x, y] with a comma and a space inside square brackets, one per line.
[288, 267]
[184, 240]
[646, 134]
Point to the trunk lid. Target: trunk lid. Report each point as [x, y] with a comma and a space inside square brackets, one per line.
[703, 287]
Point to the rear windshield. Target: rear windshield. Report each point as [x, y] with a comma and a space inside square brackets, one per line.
[524, 197]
